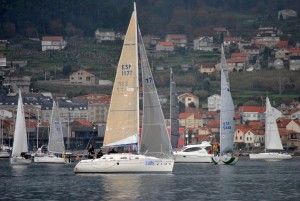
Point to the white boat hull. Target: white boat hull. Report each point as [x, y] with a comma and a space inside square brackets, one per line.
[270, 156]
[49, 159]
[19, 161]
[4, 154]
[192, 158]
[125, 163]
[224, 160]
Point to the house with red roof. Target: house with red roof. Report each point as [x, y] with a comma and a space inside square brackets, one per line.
[165, 46]
[98, 106]
[82, 77]
[53, 43]
[231, 40]
[190, 120]
[237, 63]
[252, 113]
[179, 40]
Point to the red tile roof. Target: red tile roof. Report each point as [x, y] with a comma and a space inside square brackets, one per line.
[236, 60]
[185, 115]
[166, 43]
[232, 39]
[82, 122]
[239, 54]
[294, 50]
[282, 43]
[52, 38]
[252, 109]
[87, 73]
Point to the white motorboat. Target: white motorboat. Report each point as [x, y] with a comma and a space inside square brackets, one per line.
[194, 153]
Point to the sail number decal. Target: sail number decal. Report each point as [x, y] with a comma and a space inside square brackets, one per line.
[126, 69]
[149, 162]
[226, 125]
[149, 80]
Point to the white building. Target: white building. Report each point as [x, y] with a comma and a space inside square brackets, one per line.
[214, 102]
[2, 60]
[53, 43]
[105, 35]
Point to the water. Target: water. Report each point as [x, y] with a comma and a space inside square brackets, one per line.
[248, 180]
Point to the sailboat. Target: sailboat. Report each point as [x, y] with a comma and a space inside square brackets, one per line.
[56, 146]
[154, 150]
[227, 121]
[20, 147]
[272, 137]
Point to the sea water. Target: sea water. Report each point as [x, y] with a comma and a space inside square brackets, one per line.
[247, 180]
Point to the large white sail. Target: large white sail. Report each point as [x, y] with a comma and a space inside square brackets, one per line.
[272, 137]
[227, 123]
[56, 140]
[155, 138]
[20, 135]
[123, 115]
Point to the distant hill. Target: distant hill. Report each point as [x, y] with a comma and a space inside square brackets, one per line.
[33, 18]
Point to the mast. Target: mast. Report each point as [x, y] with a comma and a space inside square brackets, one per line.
[137, 81]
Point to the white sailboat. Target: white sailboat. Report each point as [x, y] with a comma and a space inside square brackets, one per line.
[227, 120]
[272, 138]
[56, 146]
[20, 146]
[154, 154]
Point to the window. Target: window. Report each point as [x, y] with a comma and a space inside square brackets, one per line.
[241, 138]
[88, 79]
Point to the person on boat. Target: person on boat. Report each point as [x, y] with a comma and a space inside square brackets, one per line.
[112, 151]
[91, 151]
[100, 154]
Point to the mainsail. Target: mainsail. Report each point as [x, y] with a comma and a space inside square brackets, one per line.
[20, 135]
[56, 140]
[155, 138]
[122, 126]
[227, 123]
[272, 138]
[174, 112]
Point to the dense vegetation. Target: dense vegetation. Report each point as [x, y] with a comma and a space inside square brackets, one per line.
[34, 18]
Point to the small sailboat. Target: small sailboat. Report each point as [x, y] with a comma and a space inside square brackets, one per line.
[20, 147]
[154, 150]
[272, 138]
[227, 120]
[56, 147]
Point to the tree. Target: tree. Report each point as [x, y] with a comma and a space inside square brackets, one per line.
[67, 70]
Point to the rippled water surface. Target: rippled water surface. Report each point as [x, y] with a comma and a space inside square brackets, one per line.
[248, 180]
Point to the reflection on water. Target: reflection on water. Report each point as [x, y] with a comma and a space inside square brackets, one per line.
[248, 180]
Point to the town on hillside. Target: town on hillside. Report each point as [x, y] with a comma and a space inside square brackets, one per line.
[84, 116]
